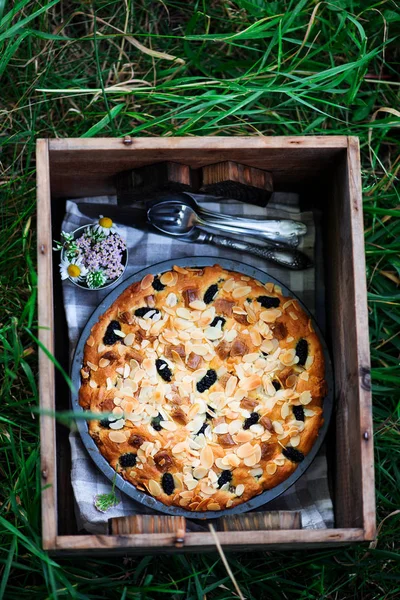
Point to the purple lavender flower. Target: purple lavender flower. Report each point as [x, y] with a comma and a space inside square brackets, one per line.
[105, 254]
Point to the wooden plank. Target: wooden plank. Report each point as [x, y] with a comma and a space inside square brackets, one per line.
[260, 520]
[204, 541]
[82, 167]
[138, 524]
[347, 317]
[198, 143]
[362, 329]
[46, 368]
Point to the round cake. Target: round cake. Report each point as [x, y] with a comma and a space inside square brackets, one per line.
[210, 386]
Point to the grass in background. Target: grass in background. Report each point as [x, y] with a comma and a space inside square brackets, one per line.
[238, 67]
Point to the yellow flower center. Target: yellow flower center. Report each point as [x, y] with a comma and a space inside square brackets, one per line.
[73, 271]
[105, 222]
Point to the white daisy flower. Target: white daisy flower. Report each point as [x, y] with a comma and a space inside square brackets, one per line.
[72, 269]
[105, 225]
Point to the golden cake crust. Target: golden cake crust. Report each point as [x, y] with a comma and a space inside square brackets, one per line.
[163, 431]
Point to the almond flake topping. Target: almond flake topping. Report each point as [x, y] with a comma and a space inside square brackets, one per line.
[154, 488]
[207, 457]
[241, 291]
[146, 281]
[117, 437]
[305, 397]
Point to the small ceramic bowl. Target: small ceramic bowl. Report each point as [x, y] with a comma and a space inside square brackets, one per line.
[77, 233]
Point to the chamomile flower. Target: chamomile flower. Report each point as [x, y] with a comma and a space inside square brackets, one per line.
[72, 269]
[105, 226]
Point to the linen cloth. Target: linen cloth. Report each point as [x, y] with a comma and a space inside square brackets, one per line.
[310, 493]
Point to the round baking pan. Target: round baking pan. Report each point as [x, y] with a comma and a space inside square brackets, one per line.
[128, 488]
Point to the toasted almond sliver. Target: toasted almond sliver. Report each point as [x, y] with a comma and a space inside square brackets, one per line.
[206, 489]
[146, 281]
[198, 305]
[270, 315]
[117, 437]
[250, 383]
[239, 489]
[101, 348]
[221, 428]
[241, 291]
[278, 427]
[228, 285]
[90, 341]
[213, 506]
[104, 362]
[129, 339]
[249, 358]
[256, 472]
[229, 503]
[271, 468]
[184, 313]
[308, 412]
[91, 365]
[207, 457]
[243, 436]
[255, 337]
[235, 426]
[231, 385]
[168, 425]
[238, 310]
[200, 472]
[309, 362]
[119, 333]
[293, 315]
[305, 397]
[285, 410]
[181, 270]
[230, 335]
[117, 410]
[154, 488]
[295, 440]
[179, 447]
[213, 333]
[250, 461]
[92, 384]
[245, 450]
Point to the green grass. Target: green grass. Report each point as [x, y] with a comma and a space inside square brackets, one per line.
[238, 67]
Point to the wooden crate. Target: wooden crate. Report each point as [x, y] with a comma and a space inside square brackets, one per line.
[326, 172]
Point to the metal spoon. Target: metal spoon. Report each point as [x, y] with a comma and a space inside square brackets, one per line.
[288, 225]
[288, 257]
[180, 218]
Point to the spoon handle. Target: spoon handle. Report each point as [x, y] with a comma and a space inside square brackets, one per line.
[271, 233]
[289, 258]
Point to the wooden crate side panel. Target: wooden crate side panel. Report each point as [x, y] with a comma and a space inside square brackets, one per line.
[83, 167]
[205, 542]
[349, 336]
[46, 328]
[362, 331]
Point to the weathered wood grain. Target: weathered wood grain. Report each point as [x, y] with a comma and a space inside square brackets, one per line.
[46, 331]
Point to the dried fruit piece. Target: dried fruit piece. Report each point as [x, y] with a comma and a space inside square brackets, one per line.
[268, 301]
[127, 460]
[293, 454]
[251, 420]
[298, 412]
[168, 483]
[155, 422]
[157, 285]
[110, 337]
[302, 351]
[105, 423]
[207, 381]
[218, 320]
[163, 461]
[163, 369]
[136, 440]
[225, 477]
[276, 385]
[143, 310]
[210, 293]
